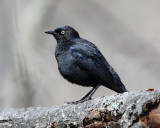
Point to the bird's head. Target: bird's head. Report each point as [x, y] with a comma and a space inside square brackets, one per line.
[64, 33]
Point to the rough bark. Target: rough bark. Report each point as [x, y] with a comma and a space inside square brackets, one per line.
[132, 109]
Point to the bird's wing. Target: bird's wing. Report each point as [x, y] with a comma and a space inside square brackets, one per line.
[89, 59]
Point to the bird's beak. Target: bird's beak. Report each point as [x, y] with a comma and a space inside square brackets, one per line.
[51, 32]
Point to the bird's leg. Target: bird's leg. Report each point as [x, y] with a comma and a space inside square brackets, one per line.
[86, 97]
[90, 93]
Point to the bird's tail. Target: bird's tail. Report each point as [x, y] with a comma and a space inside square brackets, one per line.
[118, 87]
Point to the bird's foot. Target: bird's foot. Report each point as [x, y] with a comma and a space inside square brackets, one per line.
[79, 101]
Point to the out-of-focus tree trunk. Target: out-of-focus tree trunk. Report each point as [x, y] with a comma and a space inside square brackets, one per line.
[131, 109]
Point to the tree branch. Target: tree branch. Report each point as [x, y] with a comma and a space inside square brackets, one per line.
[131, 109]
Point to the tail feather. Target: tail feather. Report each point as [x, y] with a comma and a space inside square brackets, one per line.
[118, 85]
[120, 88]
[117, 88]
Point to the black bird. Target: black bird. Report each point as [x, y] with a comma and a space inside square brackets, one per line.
[80, 62]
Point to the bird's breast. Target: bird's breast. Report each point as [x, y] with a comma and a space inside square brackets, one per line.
[66, 63]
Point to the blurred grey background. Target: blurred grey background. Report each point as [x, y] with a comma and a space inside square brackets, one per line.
[126, 32]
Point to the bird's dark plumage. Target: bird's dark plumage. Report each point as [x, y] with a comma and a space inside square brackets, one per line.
[80, 62]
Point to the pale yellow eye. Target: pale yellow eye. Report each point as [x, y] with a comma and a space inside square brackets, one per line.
[63, 32]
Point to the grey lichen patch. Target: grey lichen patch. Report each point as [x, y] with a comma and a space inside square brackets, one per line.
[134, 106]
[127, 105]
[5, 125]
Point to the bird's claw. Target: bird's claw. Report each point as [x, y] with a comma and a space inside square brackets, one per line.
[79, 101]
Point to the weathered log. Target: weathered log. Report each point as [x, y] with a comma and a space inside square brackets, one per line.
[138, 109]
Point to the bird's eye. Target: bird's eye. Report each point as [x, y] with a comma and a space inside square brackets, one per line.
[63, 32]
